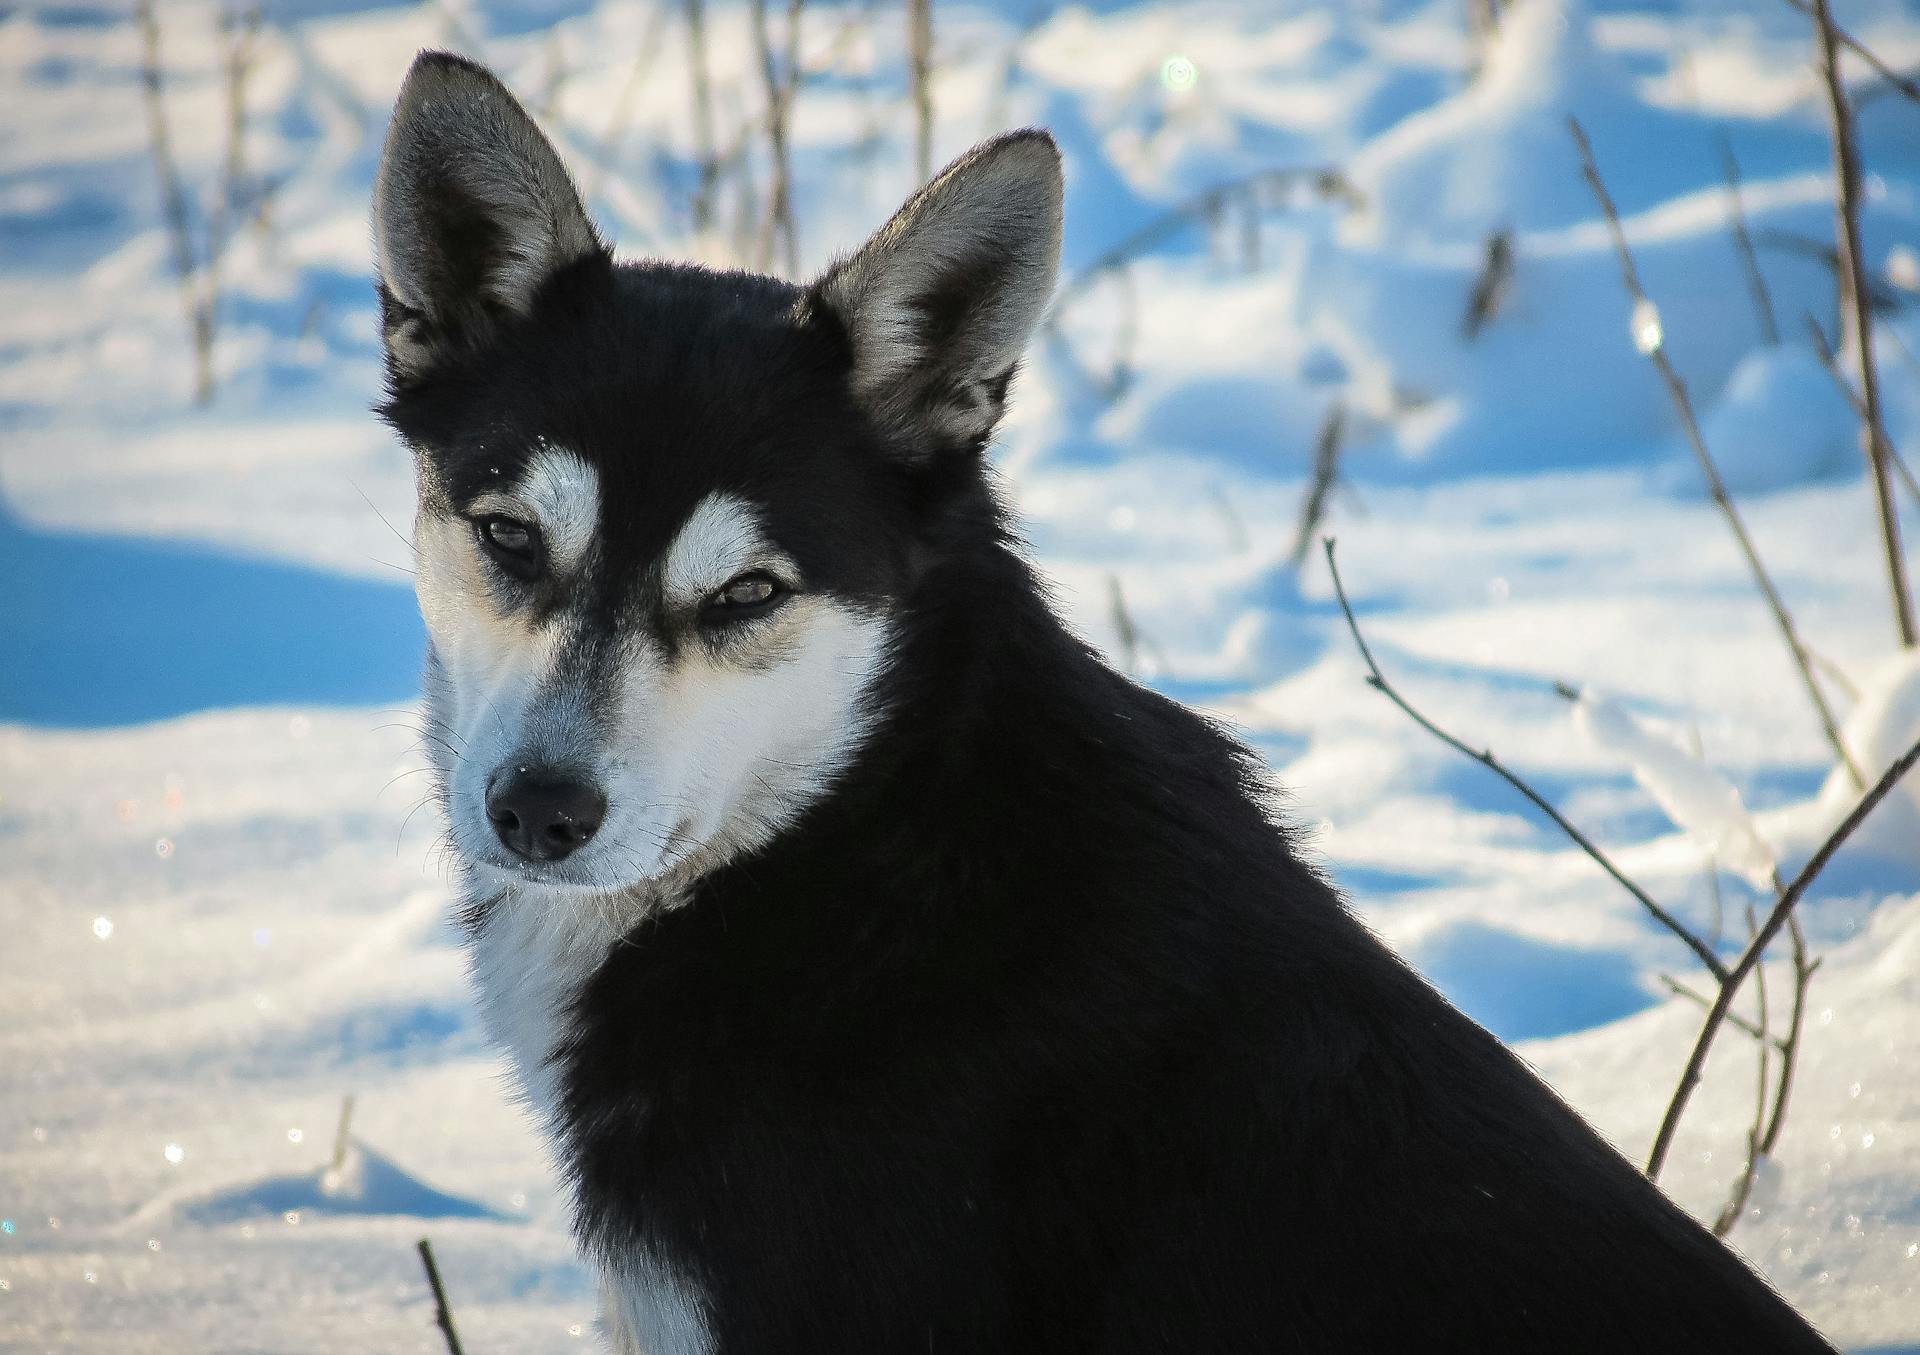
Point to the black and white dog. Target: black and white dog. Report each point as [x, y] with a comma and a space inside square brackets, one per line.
[891, 974]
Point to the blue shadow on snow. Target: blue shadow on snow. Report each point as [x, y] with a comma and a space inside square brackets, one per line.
[107, 630]
[1524, 989]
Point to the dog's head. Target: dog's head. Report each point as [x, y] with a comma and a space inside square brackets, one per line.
[669, 518]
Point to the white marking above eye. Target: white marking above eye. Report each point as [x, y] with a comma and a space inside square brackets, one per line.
[559, 492]
[720, 540]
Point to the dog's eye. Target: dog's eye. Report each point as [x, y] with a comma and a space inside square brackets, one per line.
[748, 595]
[514, 545]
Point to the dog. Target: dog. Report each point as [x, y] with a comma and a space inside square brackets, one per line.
[888, 973]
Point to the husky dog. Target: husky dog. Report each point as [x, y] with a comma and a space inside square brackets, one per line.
[890, 974]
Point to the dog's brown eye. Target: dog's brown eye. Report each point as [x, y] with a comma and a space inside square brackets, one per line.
[747, 595]
[514, 545]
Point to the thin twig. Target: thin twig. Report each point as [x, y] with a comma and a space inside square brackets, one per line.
[1831, 361]
[173, 202]
[340, 1140]
[1765, 1133]
[920, 78]
[1490, 288]
[1378, 681]
[240, 33]
[1803, 970]
[442, 1314]
[702, 94]
[1882, 297]
[1677, 390]
[1859, 320]
[1327, 182]
[1737, 222]
[1777, 918]
[645, 53]
[1905, 84]
[1699, 999]
[1124, 629]
[1750, 1169]
[1326, 471]
[782, 80]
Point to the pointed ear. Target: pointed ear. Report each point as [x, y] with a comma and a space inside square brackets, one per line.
[940, 304]
[472, 213]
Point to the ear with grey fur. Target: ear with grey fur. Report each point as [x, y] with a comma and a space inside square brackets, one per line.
[939, 305]
[472, 213]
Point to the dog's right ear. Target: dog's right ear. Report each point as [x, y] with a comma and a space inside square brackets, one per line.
[472, 214]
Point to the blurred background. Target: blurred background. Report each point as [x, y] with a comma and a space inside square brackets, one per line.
[1330, 268]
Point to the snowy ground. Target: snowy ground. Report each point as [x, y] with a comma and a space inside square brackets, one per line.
[221, 905]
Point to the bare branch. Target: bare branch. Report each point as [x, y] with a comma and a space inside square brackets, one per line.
[1490, 288]
[1905, 84]
[1326, 471]
[1734, 1019]
[782, 80]
[620, 113]
[1831, 361]
[703, 138]
[442, 1314]
[1766, 1131]
[1859, 320]
[173, 202]
[1326, 182]
[340, 1139]
[1677, 390]
[1378, 681]
[920, 74]
[1777, 918]
[1750, 1169]
[1123, 627]
[1803, 971]
[1737, 222]
[240, 33]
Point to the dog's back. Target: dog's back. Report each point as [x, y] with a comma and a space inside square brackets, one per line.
[891, 974]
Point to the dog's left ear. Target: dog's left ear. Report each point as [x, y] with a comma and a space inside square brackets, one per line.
[472, 214]
[940, 304]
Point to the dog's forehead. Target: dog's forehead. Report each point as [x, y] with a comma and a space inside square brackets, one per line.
[615, 421]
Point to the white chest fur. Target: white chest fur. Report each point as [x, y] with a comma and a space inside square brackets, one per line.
[530, 959]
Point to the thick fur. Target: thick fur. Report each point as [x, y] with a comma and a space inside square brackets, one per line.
[1015, 1022]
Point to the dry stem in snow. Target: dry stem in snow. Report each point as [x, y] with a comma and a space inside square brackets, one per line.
[1856, 315]
[1653, 344]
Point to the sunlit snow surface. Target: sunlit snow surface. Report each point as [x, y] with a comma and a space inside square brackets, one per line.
[223, 913]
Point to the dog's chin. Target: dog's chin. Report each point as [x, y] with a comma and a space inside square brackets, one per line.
[489, 873]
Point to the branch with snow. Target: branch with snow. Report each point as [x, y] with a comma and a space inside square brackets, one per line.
[1708, 808]
[1699, 800]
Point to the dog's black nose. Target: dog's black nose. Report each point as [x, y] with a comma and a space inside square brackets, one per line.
[542, 814]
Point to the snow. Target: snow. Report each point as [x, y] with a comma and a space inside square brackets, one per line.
[218, 878]
[1697, 798]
